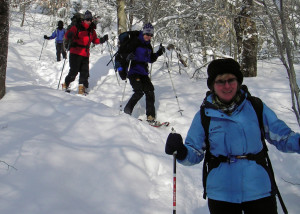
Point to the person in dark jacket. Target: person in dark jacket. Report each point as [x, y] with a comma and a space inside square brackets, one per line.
[237, 183]
[59, 34]
[141, 55]
[81, 36]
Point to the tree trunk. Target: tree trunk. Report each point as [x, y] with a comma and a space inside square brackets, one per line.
[22, 9]
[122, 24]
[4, 31]
[247, 39]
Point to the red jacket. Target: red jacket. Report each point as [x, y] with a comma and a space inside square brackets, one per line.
[82, 39]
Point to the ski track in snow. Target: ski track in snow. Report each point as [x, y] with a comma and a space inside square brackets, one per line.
[70, 149]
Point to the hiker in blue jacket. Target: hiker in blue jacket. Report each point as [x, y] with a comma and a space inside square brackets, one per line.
[58, 35]
[235, 182]
[142, 54]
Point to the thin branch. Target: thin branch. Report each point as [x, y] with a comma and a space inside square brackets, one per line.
[290, 182]
[8, 166]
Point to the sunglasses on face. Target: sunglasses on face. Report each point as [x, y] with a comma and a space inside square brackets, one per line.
[223, 82]
[89, 20]
[149, 34]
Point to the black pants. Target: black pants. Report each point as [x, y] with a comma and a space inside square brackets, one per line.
[141, 84]
[60, 49]
[261, 206]
[78, 64]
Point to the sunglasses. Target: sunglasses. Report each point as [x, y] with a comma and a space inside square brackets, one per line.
[223, 82]
[89, 20]
[149, 34]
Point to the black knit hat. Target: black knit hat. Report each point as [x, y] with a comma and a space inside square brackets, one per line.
[223, 66]
[88, 15]
[60, 23]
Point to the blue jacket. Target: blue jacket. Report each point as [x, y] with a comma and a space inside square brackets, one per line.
[59, 35]
[143, 55]
[238, 134]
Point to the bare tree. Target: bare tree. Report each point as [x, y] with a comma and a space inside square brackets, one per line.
[280, 35]
[4, 31]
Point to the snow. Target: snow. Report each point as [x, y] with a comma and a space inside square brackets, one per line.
[66, 153]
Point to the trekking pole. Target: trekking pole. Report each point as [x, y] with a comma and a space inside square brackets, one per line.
[111, 59]
[42, 49]
[61, 73]
[63, 66]
[180, 110]
[150, 71]
[121, 104]
[174, 182]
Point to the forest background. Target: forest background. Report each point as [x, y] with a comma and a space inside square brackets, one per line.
[195, 32]
[246, 30]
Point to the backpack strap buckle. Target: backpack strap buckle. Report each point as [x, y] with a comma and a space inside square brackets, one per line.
[234, 158]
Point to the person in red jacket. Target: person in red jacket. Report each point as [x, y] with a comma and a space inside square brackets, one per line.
[81, 37]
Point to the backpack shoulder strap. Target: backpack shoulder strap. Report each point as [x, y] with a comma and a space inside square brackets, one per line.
[205, 121]
[258, 107]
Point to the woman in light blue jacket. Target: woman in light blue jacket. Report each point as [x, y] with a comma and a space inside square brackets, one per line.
[236, 181]
[58, 35]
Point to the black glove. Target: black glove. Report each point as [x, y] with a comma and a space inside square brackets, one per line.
[130, 57]
[46, 37]
[175, 143]
[105, 37]
[161, 50]
[70, 35]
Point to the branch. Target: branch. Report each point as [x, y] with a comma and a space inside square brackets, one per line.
[8, 166]
[290, 182]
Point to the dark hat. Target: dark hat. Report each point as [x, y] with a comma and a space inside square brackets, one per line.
[88, 15]
[223, 66]
[60, 23]
[148, 28]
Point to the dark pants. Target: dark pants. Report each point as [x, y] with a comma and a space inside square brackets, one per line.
[261, 206]
[141, 85]
[60, 49]
[78, 64]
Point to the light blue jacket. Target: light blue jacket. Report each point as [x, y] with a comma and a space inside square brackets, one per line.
[238, 134]
[59, 35]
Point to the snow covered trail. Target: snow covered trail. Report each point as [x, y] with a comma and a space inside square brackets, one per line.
[76, 154]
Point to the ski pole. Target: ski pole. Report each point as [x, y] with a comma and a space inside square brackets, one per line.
[61, 73]
[121, 104]
[180, 110]
[111, 59]
[174, 182]
[42, 49]
[63, 66]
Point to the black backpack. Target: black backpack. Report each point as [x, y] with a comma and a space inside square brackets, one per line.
[210, 162]
[125, 47]
[75, 20]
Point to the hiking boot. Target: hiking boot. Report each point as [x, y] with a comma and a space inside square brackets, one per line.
[81, 89]
[150, 118]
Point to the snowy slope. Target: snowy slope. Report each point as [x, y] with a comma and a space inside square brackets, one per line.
[66, 153]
